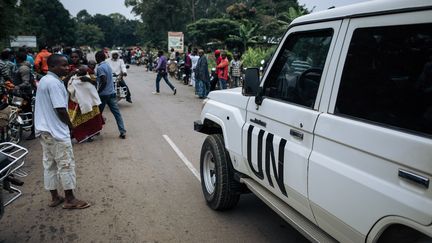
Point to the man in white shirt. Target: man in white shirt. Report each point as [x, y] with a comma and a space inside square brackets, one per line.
[119, 68]
[53, 126]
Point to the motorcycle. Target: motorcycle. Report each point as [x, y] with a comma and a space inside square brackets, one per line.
[12, 157]
[121, 91]
[213, 79]
[181, 70]
[12, 119]
[172, 68]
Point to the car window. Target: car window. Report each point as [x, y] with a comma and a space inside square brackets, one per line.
[387, 77]
[296, 73]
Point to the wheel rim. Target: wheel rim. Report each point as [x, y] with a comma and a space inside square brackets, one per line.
[209, 172]
[13, 133]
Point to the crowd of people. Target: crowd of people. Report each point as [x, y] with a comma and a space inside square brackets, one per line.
[70, 96]
[227, 73]
[71, 93]
[228, 70]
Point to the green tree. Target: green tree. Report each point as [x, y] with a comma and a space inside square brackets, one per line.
[287, 17]
[124, 30]
[48, 20]
[84, 17]
[246, 35]
[89, 34]
[240, 11]
[206, 30]
[8, 20]
[253, 56]
[106, 24]
[159, 17]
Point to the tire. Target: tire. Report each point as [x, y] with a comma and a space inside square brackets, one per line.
[221, 191]
[1, 200]
[14, 133]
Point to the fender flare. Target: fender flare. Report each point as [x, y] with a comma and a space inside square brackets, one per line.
[382, 225]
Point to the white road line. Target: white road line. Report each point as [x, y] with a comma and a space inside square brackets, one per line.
[183, 157]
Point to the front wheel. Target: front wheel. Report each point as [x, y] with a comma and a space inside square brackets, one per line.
[221, 190]
[14, 132]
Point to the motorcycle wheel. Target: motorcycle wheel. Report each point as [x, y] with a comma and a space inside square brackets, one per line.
[14, 132]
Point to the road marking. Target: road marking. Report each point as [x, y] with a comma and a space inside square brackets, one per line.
[183, 157]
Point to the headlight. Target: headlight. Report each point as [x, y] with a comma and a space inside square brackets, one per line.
[204, 102]
[17, 101]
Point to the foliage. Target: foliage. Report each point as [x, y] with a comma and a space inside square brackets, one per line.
[211, 30]
[246, 35]
[240, 11]
[160, 16]
[89, 34]
[286, 18]
[252, 57]
[199, 17]
[230, 24]
[115, 28]
[8, 18]
[84, 17]
[48, 20]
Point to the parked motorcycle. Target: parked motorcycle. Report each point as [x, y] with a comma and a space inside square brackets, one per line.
[180, 70]
[12, 157]
[213, 79]
[172, 68]
[12, 118]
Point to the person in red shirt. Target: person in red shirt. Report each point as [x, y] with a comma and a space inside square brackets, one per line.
[222, 70]
[40, 63]
[215, 79]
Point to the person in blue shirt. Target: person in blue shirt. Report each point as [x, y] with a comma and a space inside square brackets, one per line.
[107, 92]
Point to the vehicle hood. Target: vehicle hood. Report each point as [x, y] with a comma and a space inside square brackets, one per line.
[231, 97]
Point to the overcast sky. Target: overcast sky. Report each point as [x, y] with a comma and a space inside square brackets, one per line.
[117, 6]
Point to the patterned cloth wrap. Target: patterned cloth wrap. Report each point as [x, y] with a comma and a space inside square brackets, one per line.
[85, 125]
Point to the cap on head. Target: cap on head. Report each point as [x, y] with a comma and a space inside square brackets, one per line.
[217, 52]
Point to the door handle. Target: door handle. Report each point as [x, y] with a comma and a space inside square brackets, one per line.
[296, 134]
[259, 122]
[421, 180]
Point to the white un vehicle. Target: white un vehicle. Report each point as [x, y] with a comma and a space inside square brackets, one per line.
[336, 136]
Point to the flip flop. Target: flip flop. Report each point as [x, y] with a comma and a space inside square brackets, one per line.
[79, 205]
[56, 203]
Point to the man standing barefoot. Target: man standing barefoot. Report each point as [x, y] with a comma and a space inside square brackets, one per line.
[53, 126]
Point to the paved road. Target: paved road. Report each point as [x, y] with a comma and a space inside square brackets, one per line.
[139, 188]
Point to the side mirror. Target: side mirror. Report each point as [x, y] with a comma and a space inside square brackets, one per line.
[251, 82]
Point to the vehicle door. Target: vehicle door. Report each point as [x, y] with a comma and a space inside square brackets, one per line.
[277, 136]
[372, 150]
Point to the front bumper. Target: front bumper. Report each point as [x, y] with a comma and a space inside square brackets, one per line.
[198, 126]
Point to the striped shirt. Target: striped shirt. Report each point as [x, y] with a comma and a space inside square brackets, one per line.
[299, 66]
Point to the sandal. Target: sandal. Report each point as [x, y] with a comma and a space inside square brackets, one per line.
[57, 202]
[78, 205]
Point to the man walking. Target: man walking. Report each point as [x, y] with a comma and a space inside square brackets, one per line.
[53, 126]
[162, 73]
[106, 91]
[202, 75]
